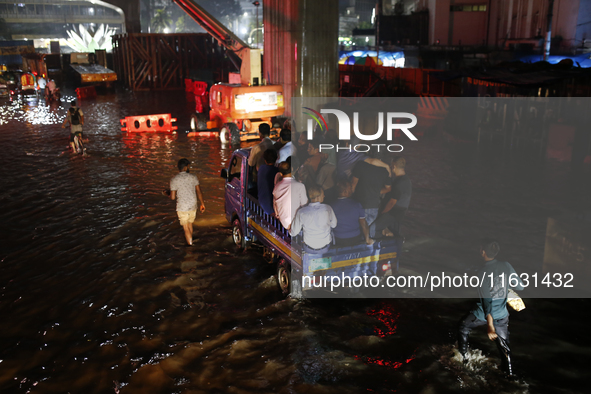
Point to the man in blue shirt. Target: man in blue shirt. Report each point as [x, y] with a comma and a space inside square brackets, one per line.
[350, 218]
[491, 309]
[266, 181]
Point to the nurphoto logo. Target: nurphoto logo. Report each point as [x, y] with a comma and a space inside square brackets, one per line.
[393, 122]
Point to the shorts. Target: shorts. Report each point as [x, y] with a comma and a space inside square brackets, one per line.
[186, 217]
[79, 133]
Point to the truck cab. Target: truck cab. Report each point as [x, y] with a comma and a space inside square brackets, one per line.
[251, 224]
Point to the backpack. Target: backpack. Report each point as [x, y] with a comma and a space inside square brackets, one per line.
[75, 116]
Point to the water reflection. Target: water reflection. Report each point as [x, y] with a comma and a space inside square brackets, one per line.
[32, 110]
[100, 294]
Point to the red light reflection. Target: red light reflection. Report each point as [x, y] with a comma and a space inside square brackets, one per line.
[382, 362]
[386, 314]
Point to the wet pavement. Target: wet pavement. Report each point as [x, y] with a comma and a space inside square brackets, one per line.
[100, 295]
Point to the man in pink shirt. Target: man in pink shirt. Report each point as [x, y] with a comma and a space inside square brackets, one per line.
[288, 196]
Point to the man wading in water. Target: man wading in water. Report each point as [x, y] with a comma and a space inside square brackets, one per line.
[491, 309]
[184, 188]
[75, 118]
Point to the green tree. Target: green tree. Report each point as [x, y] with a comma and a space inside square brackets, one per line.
[180, 25]
[161, 21]
[223, 10]
[365, 25]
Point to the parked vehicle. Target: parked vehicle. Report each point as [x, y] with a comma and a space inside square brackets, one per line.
[4, 91]
[237, 111]
[251, 224]
[28, 84]
[12, 82]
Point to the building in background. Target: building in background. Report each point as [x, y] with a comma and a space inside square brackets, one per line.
[508, 23]
[45, 22]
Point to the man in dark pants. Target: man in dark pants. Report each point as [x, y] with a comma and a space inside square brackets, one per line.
[369, 183]
[491, 309]
[395, 203]
[266, 181]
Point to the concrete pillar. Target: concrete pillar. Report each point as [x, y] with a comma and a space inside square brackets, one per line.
[301, 47]
[509, 19]
[439, 22]
[528, 27]
[319, 52]
[131, 8]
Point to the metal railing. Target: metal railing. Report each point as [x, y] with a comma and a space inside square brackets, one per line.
[269, 222]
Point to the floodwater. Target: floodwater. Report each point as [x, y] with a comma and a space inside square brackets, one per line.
[100, 295]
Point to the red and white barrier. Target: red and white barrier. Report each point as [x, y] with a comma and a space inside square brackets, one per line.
[148, 123]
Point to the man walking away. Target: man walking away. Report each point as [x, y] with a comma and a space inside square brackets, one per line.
[75, 118]
[184, 188]
[491, 309]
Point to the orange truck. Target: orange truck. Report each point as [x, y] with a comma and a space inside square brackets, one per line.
[237, 111]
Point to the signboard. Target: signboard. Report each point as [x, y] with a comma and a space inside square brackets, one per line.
[16, 50]
[320, 264]
[257, 101]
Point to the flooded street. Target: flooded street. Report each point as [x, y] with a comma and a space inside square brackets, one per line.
[100, 295]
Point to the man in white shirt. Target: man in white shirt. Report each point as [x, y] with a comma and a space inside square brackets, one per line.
[184, 188]
[316, 220]
[288, 196]
[256, 153]
[288, 149]
[41, 83]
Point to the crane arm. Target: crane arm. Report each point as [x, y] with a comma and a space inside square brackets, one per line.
[214, 27]
[250, 59]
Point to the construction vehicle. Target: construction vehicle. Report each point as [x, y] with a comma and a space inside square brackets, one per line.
[239, 107]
